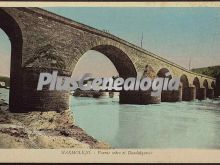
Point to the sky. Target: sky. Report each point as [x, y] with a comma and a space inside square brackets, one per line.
[5, 54]
[177, 34]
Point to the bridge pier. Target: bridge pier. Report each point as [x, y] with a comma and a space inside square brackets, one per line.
[197, 93]
[171, 96]
[202, 94]
[215, 92]
[138, 97]
[45, 100]
[189, 93]
[210, 93]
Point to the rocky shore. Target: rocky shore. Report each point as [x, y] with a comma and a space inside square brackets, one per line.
[43, 130]
[90, 93]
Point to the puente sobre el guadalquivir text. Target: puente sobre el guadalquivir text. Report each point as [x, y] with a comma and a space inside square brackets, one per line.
[42, 42]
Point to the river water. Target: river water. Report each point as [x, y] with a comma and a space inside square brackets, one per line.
[193, 124]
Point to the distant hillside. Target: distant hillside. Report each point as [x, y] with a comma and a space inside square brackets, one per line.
[212, 71]
[6, 80]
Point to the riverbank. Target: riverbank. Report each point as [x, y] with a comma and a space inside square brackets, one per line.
[43, 130]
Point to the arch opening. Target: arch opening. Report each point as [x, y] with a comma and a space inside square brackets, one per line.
[5, 54]
[213, 85]
[167, 96]
[121, 61]
[118, 58]
[208, 91]
[116, 63]
[95, 63]
[217, 86]
[196, 83]
[205, 84]
[184, 85]
[162, 73]
[184, 81]
[13, 31]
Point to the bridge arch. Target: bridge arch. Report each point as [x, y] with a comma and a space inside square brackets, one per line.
[166, 96]
[184, 85]
[12, 29]
[62, 53]
[184, 81]
[213, 84]
[196, 83]
[214, 87]
[217, 84]
[162, 73]
[205, 84]
[122, 63]
[209, 91]
[120, 59]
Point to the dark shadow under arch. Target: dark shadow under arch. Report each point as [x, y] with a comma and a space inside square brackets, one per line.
[205, 84]
[162, 73]
[213, 85]
[185, 85]
[196, 83]
[184, 80]
[12, 29]
[217, 86]
[209, 89]
[166, 95]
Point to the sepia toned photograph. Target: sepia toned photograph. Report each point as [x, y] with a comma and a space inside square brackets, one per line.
[101, 78]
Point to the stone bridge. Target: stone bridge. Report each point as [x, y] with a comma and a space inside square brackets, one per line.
[43, 41]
